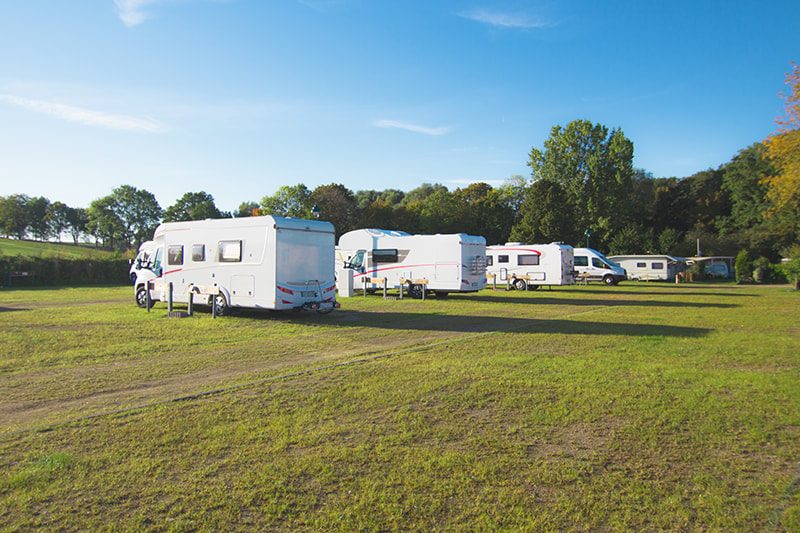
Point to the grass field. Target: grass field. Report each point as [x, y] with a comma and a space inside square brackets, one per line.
[641, 407]
[14, 247]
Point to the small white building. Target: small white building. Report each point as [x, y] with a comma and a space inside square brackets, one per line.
[650, 267]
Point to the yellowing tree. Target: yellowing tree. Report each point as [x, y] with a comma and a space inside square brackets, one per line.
[783, 148]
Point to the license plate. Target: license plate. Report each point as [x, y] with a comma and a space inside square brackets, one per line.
[308, 294]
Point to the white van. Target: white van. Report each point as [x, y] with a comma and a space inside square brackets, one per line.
[591, 265]
[264, 262]
[449, 262]
[529, 266]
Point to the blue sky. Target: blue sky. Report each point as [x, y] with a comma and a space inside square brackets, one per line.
[239, 97]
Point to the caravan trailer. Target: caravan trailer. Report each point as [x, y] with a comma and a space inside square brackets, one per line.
[141, 259]
[261, 262]
[650, 267]
[449, 262]
[527, 266]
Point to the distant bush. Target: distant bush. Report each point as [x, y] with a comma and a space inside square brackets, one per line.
[57, 271]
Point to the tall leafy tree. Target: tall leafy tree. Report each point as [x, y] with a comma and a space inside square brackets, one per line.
[103, 223]
[337, 205]
[545, 216]
[192, 206]
[58, 218]
[246, 209]
[38, 222]
[289, 201]
[595, 168]
[138, 211]
[78, 218]
[14, 215]
[783, 148]
[743, 180]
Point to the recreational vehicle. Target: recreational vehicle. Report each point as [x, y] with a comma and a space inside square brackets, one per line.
[650, 267]
[141, 259]
[530, 266]
[448, 263]
[591, 265]
[257, 262]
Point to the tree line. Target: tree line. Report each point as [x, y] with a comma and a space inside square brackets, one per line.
[583, 188]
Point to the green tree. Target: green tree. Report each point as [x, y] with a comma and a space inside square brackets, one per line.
[58, 218]
[337, 205]
[595, 169]
[545, 216]
[103, 223]
[289, 201]
[422, 192]
[743, 181]
[192, 206]
[78, 218]
[139, 213]
[246, 209]
[14, 219]
[38, 223]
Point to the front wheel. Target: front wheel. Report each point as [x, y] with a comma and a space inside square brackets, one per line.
[141, 298]
[520, 284]
[220, 305]
[609, 280]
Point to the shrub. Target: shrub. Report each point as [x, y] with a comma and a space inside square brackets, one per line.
[743, 266]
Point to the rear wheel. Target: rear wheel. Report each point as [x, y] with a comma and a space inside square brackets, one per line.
[520, 284]
[415, 291]
[141, 298]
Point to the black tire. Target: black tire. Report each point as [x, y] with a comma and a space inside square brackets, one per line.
[520, 284]
[220, 305]
[609, 280]
[415, 291]
[141, 298]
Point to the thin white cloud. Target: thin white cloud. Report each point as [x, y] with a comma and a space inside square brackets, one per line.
[504, 20]
[410, 127]
[131, 12]
[84, 116]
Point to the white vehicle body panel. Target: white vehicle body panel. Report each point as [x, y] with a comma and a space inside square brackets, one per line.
[257, 262]
[450, 262]
[543, 264]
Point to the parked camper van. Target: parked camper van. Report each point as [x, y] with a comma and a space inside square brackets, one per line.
[594, 266]
[258, 262]
[450, 263]
[141, 259]
[530, 266]
[650, 267]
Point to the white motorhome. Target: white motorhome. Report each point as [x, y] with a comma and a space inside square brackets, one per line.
[141, 259]
[591, 265]
[256, 262]
[527, 266]
[650, 267]
[449, 262]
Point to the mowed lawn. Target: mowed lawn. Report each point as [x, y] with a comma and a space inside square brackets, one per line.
[641, 407]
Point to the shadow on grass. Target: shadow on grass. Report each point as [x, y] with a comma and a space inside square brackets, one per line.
[484, 324]
[581, 302]
[474, 323]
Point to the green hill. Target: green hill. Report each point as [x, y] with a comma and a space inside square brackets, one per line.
[13, 248]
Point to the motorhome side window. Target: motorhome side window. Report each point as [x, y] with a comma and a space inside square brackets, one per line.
[198, 252]
[658, 266]
[502, 259]
[532, 259]
[175, 254]
[581, 261]
[384, 256]
[230, 251]
[489, 260]
[642, 265]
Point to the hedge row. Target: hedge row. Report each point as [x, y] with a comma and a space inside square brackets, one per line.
[56, 271]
